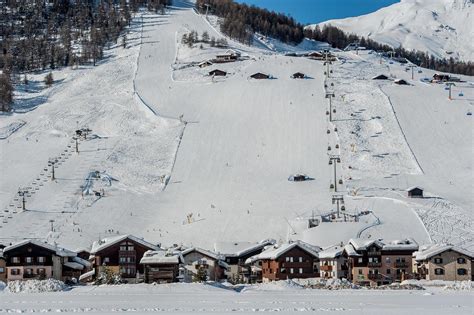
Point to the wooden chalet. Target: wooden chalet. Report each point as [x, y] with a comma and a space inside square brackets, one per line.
[401, 82]
[298, 75]
[374, 262]
[3, 267]
[415, 192]
[260, 76]
[444, 262]
[380, 77]
[235, 255]
[197, 260]
[204, 64]
[332, 262]
[218, 73]
[32, 259]
[161, 266]
[287, 261]
[121, 254]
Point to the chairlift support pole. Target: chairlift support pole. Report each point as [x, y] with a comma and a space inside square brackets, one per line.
[338, 199]
[412, 71]
[450, 85]
[334, 159]
[330, 95]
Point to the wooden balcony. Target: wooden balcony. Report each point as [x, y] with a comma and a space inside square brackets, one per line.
[374, 276]
[326, 268]
[374, 264]
[401, 264]
[374, 253]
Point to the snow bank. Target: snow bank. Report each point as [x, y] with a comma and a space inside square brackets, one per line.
[399, 286]
[327, 284]
[35, 286]
[446, 285]
[274, 286]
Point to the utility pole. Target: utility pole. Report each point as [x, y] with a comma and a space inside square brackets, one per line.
[412, 71]
[338, 200]
[52, 162]
[52, 226]
[327, 62]
[333, 160]
[450, 85]
[330, 95]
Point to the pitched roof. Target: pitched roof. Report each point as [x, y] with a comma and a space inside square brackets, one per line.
[428, 251]
[59, 251]
[107, 242]
[358, 244]
[160, 257]
[362, 244]
[236, 249]
[275, 251]
[331, 252]
[406, 244]
[201, 251]
[414, 187]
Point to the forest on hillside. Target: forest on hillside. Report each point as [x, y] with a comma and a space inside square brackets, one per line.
[40, 35]
[241, 22]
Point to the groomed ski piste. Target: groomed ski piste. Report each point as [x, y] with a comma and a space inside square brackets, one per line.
[176, 156]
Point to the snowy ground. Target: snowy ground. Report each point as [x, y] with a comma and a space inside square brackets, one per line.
[205, 299]
[221, 174]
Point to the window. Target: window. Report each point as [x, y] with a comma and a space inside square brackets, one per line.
[122, 259]
[439, 271]
[370, 259]
[301, 270]
[123, 248]
[388, 271]
[41, 271]
[41, 259]
[2, 270]
[461, 260]
[29, 260]
[360, 271]
[28, 271]
[438, 260]
[301, 259]
[291, 270]
[106, 259]
[282, 270]
[462, 271]
[287, 259]
[360, 260]
[16, 260]
[14, 272]
[291, 259]
[387, 260]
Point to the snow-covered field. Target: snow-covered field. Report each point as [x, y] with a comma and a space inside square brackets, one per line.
[442, 28]
[206, 299]
[220, 174]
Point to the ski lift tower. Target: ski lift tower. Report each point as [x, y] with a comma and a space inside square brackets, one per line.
[449, 85]
[52, 162]
[338, 200]
[333, 160]
[22, 192]
[412, 71]
[330, 96]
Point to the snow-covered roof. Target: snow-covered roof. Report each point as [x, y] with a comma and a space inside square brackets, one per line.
[81, 261]
[59, 251]
[362, 244]
[358, 244]
[73, 265]
[349, 249]
[274, 252]
[414, 187]
[202, 251]
[87, 275]
[428, 251]
[160, 257]
[407, 244]
[331, 252]
[236, 249]
[110, 241]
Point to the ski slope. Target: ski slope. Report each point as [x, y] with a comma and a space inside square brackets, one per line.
[442, 28]
[197, 160]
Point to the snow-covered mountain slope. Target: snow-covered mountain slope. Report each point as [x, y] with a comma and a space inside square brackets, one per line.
[443, 28]
[227, 173]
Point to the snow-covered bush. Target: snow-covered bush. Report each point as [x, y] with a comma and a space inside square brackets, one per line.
[107, 276]
[35, 286]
